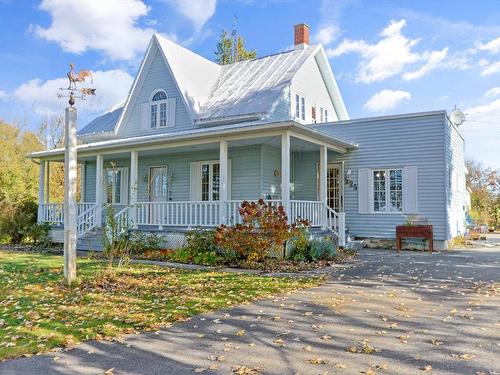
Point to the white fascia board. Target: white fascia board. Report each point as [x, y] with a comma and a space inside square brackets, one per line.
[331, 84]
[198, 136]
[138, 77]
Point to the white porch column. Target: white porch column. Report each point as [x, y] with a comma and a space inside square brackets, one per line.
[99, 172]
[285, 173]
[47, 182]
[323, 170]
[223, 165]
[41, 190]
[70, 206]
[134, 171]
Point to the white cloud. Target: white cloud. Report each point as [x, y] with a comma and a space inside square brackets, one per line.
[390, 56]
[494, 92]
[112, 87]
[327, 34]
[386, 99]
[197, 11]
[3, 94]
[108, 26]
[493, 46]
[434, 60]
[489, 68]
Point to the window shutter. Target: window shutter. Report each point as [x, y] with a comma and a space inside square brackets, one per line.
[195, 191]
[124, 185]
[229, 182]
[145, 113]
[410, 201]
[171, 112]
[364, 191]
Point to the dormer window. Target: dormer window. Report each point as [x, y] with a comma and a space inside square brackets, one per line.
[159, 112]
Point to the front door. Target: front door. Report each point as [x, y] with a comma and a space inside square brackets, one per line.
[335, 198]
[158, 184]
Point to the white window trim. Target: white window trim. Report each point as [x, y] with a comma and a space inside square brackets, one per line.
[299, 108]
[123, 185]
[210, 179]
[387, 191]
[158, 105]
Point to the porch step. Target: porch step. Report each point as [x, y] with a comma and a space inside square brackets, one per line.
[90, 242]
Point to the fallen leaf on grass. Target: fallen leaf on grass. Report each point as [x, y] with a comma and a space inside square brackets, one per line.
[307, 348]
[241, 332]
[110, 371]
[426, 368]
[436, 342]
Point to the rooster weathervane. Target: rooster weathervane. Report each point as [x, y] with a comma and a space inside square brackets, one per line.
[75, 78]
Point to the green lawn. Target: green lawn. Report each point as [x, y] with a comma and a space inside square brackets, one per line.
[37, 312]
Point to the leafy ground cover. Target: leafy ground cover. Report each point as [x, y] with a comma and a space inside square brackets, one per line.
[38, 312]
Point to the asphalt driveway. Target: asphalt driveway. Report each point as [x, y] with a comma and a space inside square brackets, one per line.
[384, 314]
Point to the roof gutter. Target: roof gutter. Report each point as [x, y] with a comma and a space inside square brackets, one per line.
[224, 120]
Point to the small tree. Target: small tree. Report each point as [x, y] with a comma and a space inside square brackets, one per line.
[227, 52]
[116, 240]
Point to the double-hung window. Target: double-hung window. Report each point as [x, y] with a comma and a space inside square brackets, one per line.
[323, 114]
[210, 178]
[300, 107]
[387, 190]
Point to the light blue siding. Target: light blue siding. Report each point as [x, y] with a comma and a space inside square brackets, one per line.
[271, 165]
[416, 140]
[245, 172]
[157, 76]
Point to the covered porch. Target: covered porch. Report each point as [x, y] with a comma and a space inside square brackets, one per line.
[176, 184]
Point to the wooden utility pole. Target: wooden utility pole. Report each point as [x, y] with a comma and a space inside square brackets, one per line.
[70, 205]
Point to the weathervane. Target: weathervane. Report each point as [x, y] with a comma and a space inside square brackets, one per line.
[73, 78]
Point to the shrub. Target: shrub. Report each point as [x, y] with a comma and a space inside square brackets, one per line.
[302, 248]
[322, 249]
[263, 226]
[16, 220]
[38, 234]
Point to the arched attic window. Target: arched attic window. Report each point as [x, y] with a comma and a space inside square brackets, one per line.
[158, 118]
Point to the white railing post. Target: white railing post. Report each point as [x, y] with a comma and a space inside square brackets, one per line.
[134, 167]
[41, 190]
[323, 169]
[99, 188]
[285, 173]
[341, 233]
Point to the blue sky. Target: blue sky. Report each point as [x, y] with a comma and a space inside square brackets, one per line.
[389, 57]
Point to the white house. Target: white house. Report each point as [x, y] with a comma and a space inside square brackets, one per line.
[194, 139]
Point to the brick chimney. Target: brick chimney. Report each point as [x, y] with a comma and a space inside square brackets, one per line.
[301, 39]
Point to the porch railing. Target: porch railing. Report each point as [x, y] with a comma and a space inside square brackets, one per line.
[187, 213]
[192, 214]
[87, 220]
[54, 212]
[313, 211]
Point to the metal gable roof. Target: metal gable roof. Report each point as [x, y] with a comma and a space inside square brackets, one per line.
[253, 86]
[211, 91]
